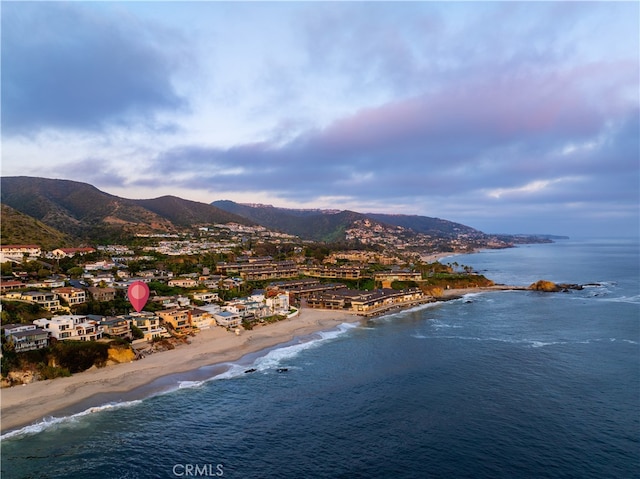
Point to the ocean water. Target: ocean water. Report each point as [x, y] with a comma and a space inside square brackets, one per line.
[494, 385]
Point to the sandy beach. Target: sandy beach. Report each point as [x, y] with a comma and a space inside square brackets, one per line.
[31, 403]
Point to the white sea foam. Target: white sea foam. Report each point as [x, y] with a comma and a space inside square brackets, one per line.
[190, 384]
[276, 356]
[49, 422]
[439, 325]
[405, 312]
[623, 299]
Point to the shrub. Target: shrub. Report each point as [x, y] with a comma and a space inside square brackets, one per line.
[52, 372]
[78, 356]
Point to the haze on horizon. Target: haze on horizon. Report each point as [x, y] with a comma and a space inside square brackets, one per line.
[508, 117]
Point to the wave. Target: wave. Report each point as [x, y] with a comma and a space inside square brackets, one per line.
[276, 356]
[533, 343]
[271, 360]
[405, 312]
[233, 370]
[623, 299]
[52, 421]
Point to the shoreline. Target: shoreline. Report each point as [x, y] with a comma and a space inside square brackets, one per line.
[31, 403]
[35, 402]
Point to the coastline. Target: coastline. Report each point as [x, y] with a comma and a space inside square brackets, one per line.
[31, 403]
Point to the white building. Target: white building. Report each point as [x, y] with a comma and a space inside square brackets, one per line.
[206, 297]
[18, 252]
[227, 319]
[278, 304]
[71, 327]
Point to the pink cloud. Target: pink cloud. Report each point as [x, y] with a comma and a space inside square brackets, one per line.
[515, 108]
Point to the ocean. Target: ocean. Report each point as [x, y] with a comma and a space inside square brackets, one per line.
[493, 385]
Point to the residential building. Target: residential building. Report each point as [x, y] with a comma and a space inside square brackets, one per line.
[149, 324]
[48, 301]
[183, 283]
[26, 337]
[116, 326]
[200, 319]
[71, 327]
[70, 252]
[399, 275]
[10, 285]
[102, 294]
[71, 295]
[337, 272]
[177, 318]
[206, 297]
[278, 303]
[227, 319]
[19, 252]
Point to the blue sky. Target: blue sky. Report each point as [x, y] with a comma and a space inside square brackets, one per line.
[509, 117]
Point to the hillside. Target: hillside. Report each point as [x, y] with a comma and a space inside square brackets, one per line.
[86, 213]
[315, 225]
[331, 225]
[18, 228]
[186, 213]
[424, 224]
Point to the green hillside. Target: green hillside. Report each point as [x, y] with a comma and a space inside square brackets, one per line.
[18, 228]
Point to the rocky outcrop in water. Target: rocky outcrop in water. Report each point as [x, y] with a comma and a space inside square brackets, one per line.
[551, 287]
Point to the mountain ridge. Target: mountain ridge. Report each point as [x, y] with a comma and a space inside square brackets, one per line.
[83, 211]
[317, 223]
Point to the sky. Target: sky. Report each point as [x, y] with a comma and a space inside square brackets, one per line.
[505, 116]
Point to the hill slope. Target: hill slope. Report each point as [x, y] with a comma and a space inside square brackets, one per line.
[187, 213]
[84, 212]
[424, 224]
[18, 228]
[315, 225]
[329, 225]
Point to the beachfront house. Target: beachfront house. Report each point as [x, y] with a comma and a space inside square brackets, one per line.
[26, 337]
[177, 318]
[71, 327]
[116, 327]
[149, 324]
[200, 318]
[227, 319]
[278, 303]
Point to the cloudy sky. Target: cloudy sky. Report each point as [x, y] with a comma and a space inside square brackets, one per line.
[508, 117]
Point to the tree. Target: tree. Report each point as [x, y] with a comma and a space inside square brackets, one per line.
[136, 332]
[43, 273]
[75, 272]
[6, 268]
